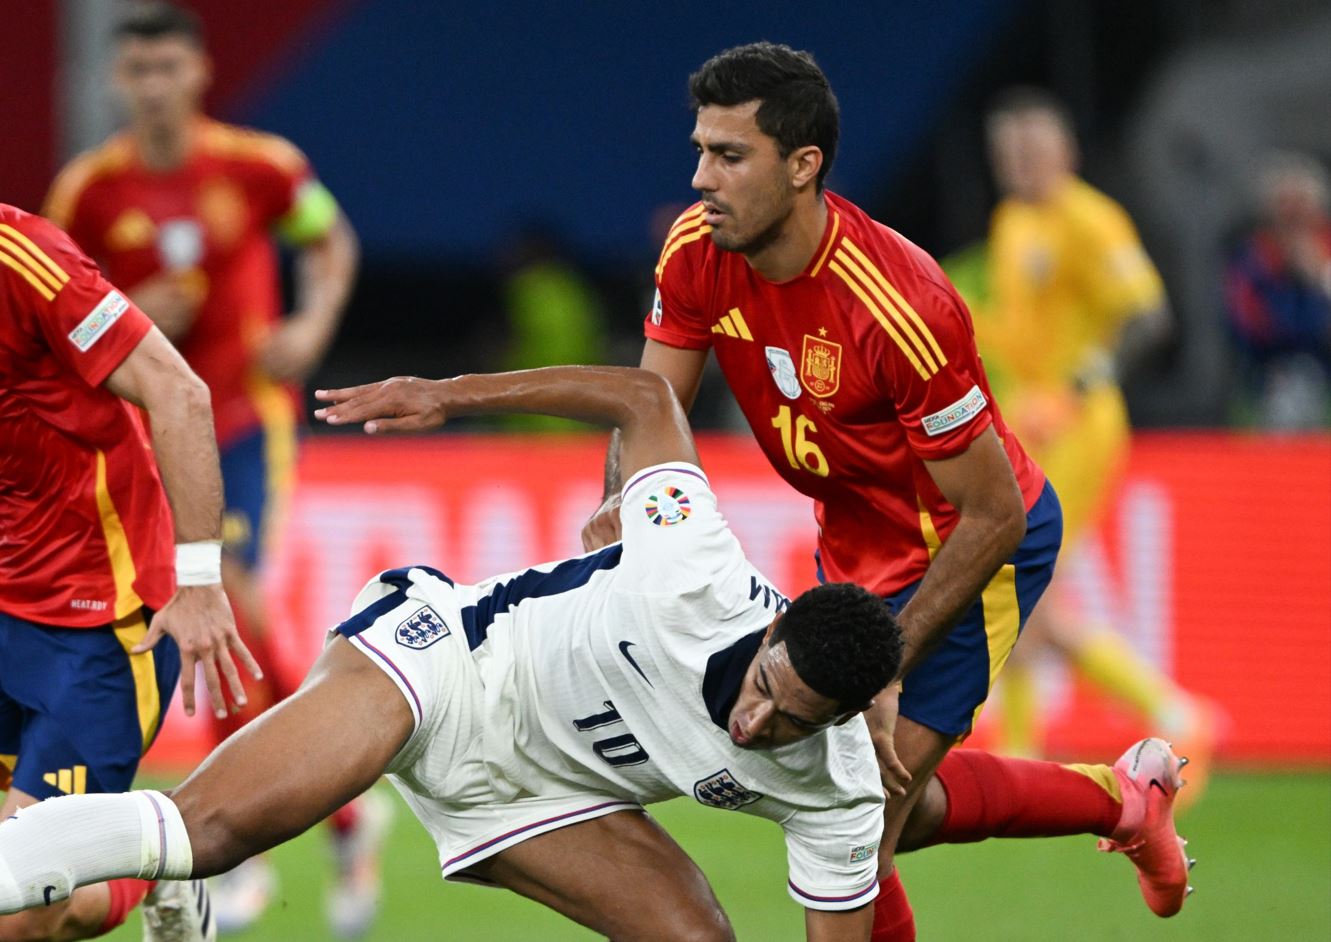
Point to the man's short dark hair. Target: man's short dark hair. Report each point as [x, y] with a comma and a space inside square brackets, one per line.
[155, 19]
[798, 107]
[1024, 99]
[842, 641]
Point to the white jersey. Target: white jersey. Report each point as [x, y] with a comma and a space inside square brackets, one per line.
[604, 682]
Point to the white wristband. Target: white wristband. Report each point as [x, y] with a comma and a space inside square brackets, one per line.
[199, 563]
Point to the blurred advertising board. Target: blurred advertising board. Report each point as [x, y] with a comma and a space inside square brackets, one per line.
[1214, 559]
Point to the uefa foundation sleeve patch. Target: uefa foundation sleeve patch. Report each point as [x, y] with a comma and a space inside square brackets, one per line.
[98, 321]
[959, 413]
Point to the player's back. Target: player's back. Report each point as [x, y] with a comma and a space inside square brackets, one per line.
[85, 532]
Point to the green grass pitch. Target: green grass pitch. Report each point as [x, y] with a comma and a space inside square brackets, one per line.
[1263, 842]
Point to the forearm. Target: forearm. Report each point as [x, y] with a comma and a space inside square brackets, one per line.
[613, 479]
[325, 273]
[186, 451]
[965, 564]
[1139, 340]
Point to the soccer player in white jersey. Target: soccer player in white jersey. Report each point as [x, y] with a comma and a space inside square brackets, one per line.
[528, 719]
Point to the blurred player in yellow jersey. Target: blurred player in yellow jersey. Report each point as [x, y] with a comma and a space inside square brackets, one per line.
[1074, 305]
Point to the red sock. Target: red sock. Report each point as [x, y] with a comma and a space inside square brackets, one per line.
[893, 920]
[344, 819]
[989, 796]
[125, 895]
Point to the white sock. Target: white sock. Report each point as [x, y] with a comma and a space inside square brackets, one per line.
[48, 849]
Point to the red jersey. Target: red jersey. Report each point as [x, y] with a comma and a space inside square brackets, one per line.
[210, 224]
[85, 529]
[851, 375]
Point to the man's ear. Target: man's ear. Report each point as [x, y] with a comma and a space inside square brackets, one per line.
[767, 635]
[805, 162]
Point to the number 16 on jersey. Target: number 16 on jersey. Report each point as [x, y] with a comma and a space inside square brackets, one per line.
[801, 451]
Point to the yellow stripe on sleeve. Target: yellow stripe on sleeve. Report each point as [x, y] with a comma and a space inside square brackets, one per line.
[685, 221]
[17, 252]
[885, 305]
[27, 274]
[673, 247]
[41, 256]
[900, 301]
[880, 317]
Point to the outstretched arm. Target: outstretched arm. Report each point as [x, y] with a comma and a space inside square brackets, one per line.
[653, 427]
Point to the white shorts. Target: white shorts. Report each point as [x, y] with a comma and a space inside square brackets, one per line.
[409, 623]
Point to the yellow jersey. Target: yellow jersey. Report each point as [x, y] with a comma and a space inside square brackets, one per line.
[1065, 275]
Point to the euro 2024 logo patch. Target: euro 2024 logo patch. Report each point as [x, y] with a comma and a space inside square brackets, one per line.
[421, 629]
[668, 508]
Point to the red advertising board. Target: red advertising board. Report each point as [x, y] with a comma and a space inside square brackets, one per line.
[1214, 559]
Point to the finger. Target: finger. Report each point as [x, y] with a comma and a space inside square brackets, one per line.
[246, 658]
[343, 394]
[187, 682]
[214, 685]
[155, 632]
[370, 405]
[406, 423]
[232, 676]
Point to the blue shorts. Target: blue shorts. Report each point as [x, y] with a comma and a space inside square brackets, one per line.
[256, 475]
[949, 687]
[77, 710]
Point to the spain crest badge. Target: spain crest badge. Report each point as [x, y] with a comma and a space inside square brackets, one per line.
[820, 366]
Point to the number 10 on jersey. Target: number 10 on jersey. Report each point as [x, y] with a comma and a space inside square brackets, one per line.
[801, 452]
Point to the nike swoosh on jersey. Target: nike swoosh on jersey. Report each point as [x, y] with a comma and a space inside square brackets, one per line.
[624, 650]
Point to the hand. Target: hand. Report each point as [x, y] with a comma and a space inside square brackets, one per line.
[171, 300]
[200, 619]
[603, 528]
[882, 719]
[400, 404]
[293, 350]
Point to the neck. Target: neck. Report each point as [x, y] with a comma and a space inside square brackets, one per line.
[791, 251]
[163, 146]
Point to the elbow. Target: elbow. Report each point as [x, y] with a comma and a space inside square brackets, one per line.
[648, 394]
[1013, 524]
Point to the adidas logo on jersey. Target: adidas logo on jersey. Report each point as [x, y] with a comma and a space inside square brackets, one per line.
[732, 325]
[722, 791]
[70, 781]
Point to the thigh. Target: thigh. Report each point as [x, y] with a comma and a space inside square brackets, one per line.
[620, 875]
[920, 749]
[245, 486]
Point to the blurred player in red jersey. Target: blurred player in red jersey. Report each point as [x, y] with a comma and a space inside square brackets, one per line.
[854, 361]
[181, 210]
[93, 631]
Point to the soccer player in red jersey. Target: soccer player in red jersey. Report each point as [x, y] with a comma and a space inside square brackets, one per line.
[94, 632]
[181, 211]
[854, 361]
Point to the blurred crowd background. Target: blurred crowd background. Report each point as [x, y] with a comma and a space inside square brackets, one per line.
[510, 171]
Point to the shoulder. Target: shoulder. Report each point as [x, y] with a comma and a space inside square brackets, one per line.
[1085, 206]
[686, 244]
[84, 172]
[251, 147]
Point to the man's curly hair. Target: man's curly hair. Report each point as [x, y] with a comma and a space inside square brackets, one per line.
[842, 641]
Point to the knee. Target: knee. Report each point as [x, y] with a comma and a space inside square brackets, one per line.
[216, 843]
[711, 925]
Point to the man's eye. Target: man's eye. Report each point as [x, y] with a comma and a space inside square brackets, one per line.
[731, 158]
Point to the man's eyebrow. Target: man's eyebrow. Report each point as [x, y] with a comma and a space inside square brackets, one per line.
[797, 720]
[720, 147]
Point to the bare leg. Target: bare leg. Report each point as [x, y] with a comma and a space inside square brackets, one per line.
[621, 875]
[297, 763]
[920, 749]
[79, 917]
